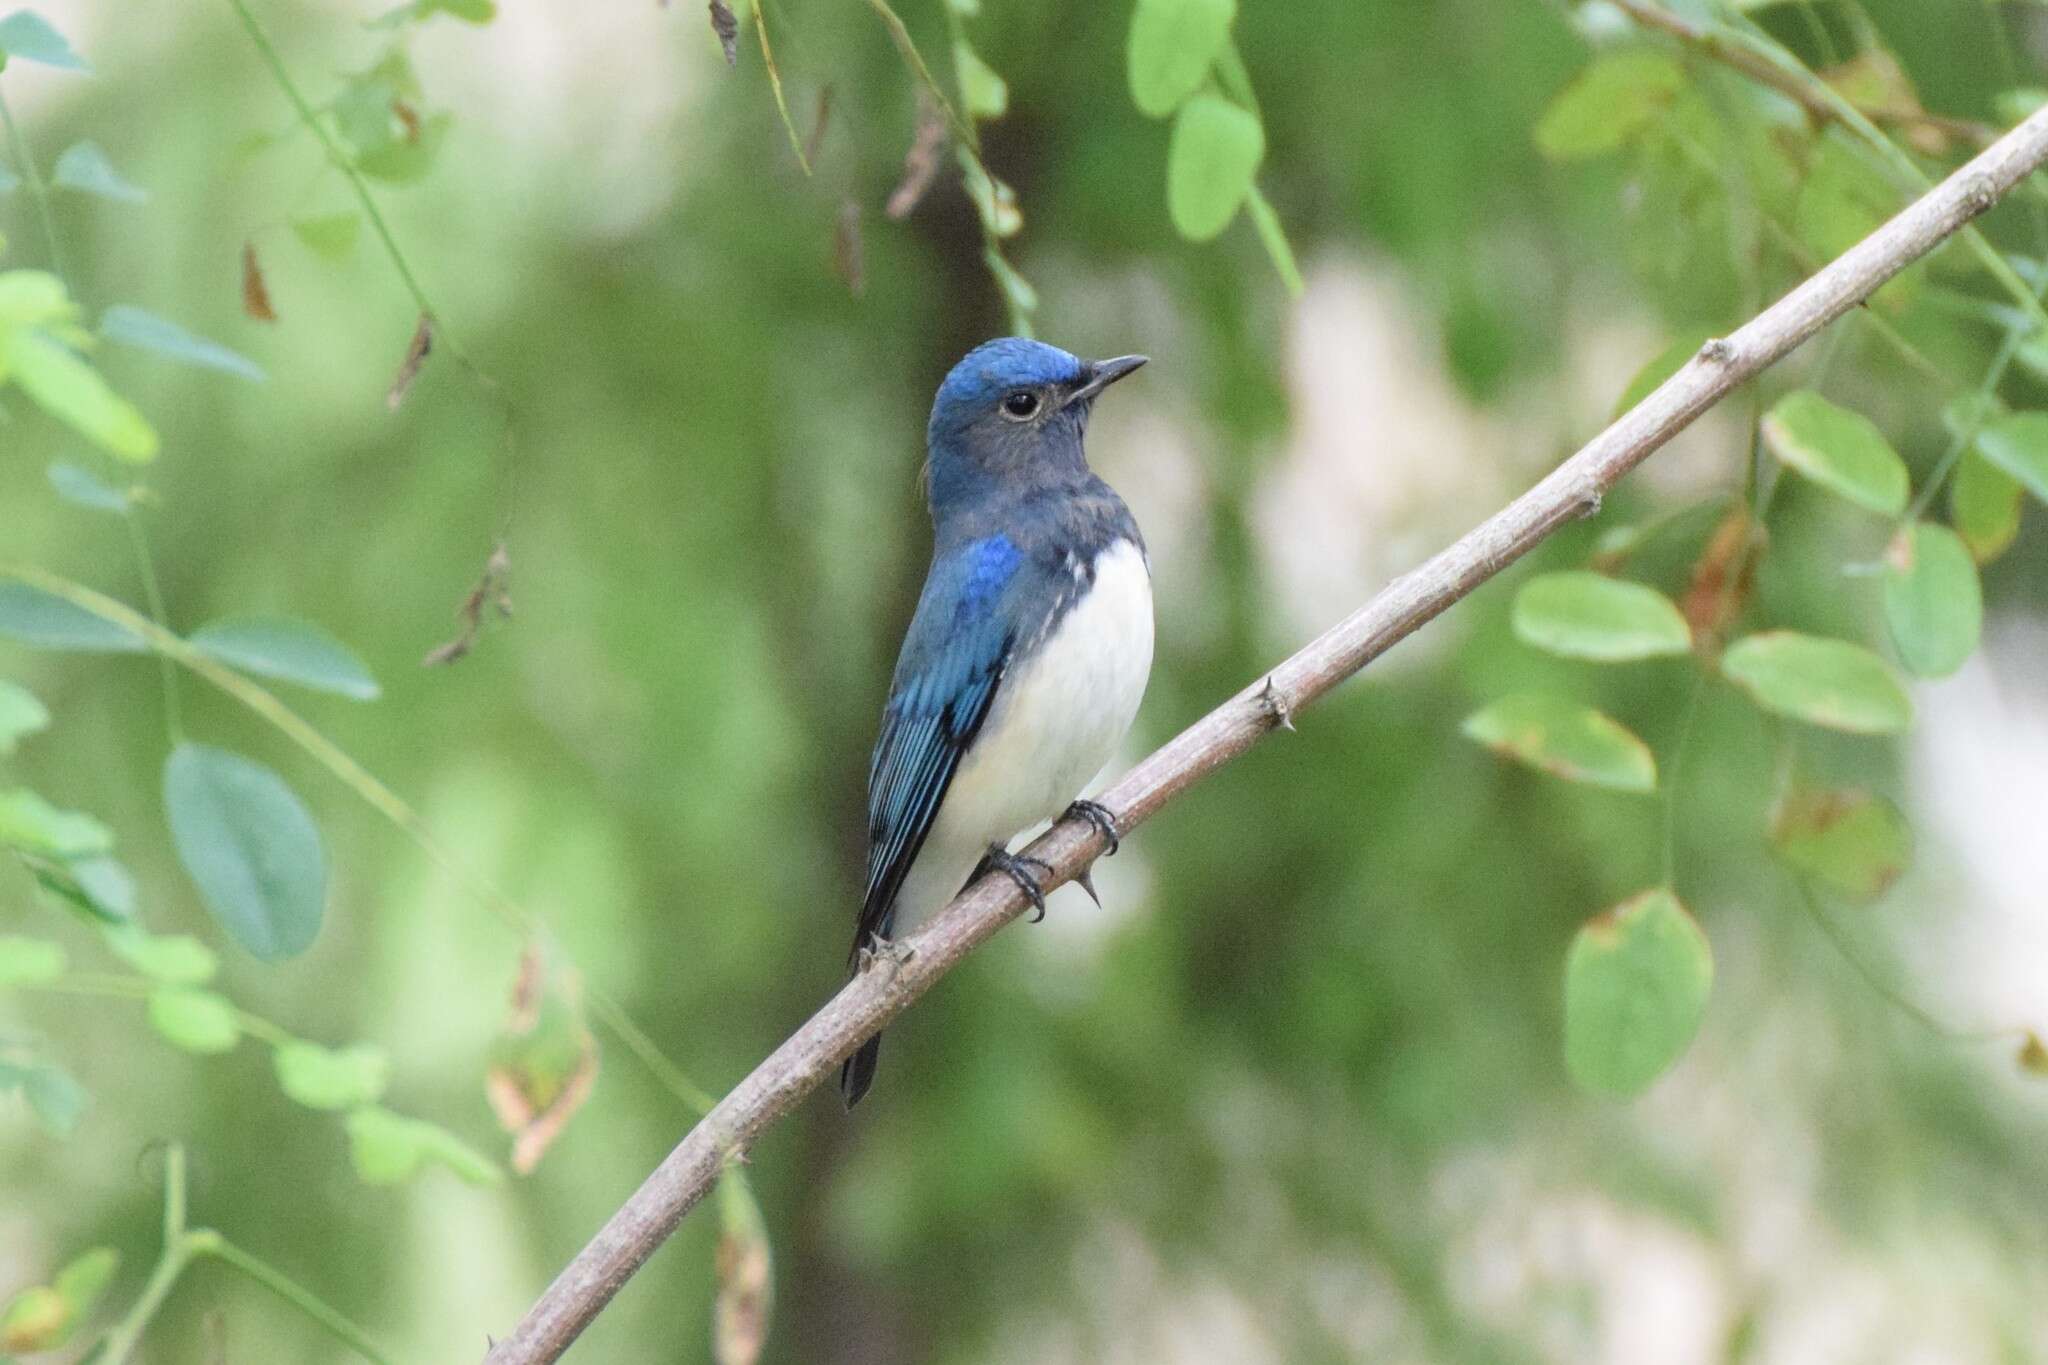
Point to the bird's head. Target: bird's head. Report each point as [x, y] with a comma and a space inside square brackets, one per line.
[1012, 413]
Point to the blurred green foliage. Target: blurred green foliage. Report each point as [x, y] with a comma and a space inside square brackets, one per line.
[1303, 1092]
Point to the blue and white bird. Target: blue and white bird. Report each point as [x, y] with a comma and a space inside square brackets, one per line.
[1029, 650]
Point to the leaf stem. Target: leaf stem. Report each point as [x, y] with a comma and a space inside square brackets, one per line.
[292, 1292]
[37, 190]
[145, 563]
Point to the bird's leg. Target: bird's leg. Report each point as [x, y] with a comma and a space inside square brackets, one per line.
[1098, 815]
[1017, 869]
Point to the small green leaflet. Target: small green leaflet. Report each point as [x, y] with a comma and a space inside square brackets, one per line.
[1635, 990]
[1210, 162]
[1566, 740]
[84, 167]
[132, 326]
[53, 1096]
[33, 825]
[388, 1149]
[1933, 603]
[1984, 506]
[82, 488]
[63, 385]
[985, 94]
[250, 846]
[328, 1078]
[329, 235]
[1173, 44]
[2019, 445]
[1584, 615]
[294, 651]
[1840, 450]
[1607, 104]
[27, 35]
[169, 959]
[99, 886]
[194, 1020]
[1849, 842]
[21, 715]
[1830, 683]
[30, 616]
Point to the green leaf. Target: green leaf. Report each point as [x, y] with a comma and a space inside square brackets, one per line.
[2019, 445]
[400, 161]
[1831, 683]
[82, 488]
[1932, 600]
[169, 959]
[196, 1021]
[332, 235]
[295, 651]
[1635, 990]
[32, 824]
[27, 35]
[53, 1096]
[63, 385]
[1840, 450]
[85, 1277]
[84, 167]
[250, 846]
[29, 961]
[1566, 740]
[388, 1148]
[1584, 615]
[1173, 43]
[21, 715]
[1215, 152]
[146, 331]
[1608, 103]
[1984, 504]
[37, 1319]
[1661, 367]
[100, 886]
[985, 94]
[324, 1078]
[30, 616]
[1850, 842]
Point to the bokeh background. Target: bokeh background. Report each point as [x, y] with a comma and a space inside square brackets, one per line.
[1296, 1093]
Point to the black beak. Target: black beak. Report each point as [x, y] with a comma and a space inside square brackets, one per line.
[1100, 374]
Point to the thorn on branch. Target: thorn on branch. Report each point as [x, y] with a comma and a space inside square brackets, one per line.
[1279, 711]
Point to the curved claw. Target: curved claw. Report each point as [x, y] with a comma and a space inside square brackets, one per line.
[1098, 815]
[1015, 868]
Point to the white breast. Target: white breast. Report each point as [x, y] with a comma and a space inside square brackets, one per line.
[1057, 719]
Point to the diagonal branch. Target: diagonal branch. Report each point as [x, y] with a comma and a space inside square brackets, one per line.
[1572, 490]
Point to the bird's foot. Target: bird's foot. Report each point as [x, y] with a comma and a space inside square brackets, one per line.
[1098, 815]
[1018, 869]
[882, 949]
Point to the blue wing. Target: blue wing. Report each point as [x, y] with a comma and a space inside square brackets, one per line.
[953, 659]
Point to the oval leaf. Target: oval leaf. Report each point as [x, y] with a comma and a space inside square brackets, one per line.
[72, 391]
[85, 1277]
[1215, 152]
[1566, 740]
[171, 959]
[331, 235]
[1840, 450]
[389, 1148]
[250, 847]
[1585, 615]
[197, 1021]
[100, 886]
[1933, 603]
[1173, 44]
[84, 167]
[21, 715]
[2019, 445]
[295, 651]
[83, 488]
[1850, 842]
[146, 331]
[1822, 682]
[30, 616]
[33, 825]
[1608, 103]
[1635, 989]
[1984, 505]
[325, 1078]
[27, 35]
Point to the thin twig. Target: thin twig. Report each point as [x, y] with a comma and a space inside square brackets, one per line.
[37, 190]
[1571, 491]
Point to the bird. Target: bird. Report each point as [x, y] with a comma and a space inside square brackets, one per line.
[1026, 657]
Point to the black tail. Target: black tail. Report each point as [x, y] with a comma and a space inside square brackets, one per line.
[858, 1073]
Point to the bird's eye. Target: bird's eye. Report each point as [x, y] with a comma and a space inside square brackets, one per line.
[1020, 405]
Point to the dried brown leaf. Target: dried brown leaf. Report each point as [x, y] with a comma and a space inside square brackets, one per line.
[547, 1061]
[493, 590]
[727, 27]
[255, 293]
[1722, 579]
[415, 356]
[921, 162]
[2033, 1056]
[408, 116]
[848, 257]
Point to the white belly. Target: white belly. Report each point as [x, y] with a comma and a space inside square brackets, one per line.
[1057, 719]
